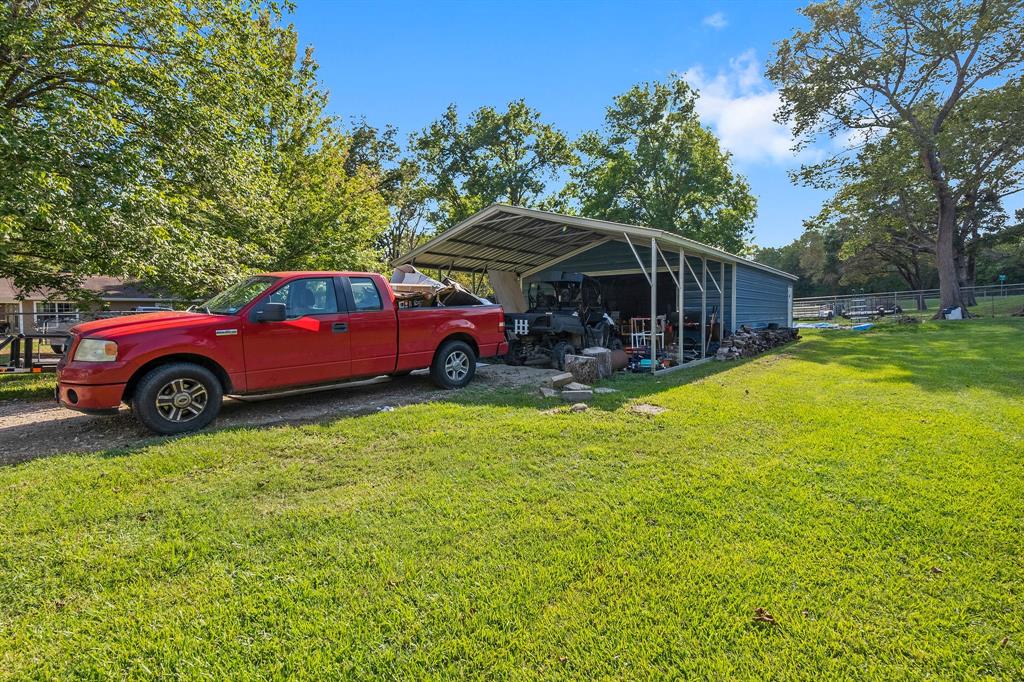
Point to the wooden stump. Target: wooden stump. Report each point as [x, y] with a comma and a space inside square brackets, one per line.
[583, 368]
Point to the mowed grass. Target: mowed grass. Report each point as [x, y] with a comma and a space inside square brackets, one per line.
[865, 490]
[27, 386]
[987, 306]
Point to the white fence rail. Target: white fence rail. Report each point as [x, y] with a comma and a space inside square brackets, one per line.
[992, 299]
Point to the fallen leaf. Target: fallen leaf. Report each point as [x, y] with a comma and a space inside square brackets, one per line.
[935, 570]
[1004, 641]
[762, 616]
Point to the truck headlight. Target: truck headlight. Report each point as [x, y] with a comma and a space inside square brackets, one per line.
[96, 350]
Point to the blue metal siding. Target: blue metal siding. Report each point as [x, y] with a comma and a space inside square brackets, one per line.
[608, 256]
[761, 298]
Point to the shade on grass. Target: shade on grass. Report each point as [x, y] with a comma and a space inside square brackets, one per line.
[865, 490]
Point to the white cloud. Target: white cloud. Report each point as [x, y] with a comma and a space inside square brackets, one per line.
[738, 104]
[716, 21]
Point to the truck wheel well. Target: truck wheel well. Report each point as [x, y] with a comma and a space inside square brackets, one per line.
[200, 360]
[460, 337]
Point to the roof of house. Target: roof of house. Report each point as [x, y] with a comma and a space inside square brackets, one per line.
[525, 240]
[107, 288]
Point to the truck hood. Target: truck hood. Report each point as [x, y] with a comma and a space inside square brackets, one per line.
[115, 327]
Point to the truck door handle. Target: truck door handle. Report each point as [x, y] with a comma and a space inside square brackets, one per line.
[339, 327]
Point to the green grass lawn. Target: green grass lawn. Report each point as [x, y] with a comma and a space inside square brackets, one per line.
[27, 386]
[993, 306]
[866, 490]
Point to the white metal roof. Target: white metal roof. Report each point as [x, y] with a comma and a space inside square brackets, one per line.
[525, 240]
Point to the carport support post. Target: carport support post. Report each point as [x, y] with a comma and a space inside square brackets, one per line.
[681, 292]
[654, 304]
[703, 307]
[721, 304]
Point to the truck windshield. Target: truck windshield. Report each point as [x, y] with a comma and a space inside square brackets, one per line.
[232, 299]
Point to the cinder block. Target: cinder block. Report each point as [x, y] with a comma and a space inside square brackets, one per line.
[573, 396]
[559, 380]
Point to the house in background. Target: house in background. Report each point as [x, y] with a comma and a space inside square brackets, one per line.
[38, 312]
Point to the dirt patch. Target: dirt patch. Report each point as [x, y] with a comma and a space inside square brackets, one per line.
[34, 429]
[647, 410]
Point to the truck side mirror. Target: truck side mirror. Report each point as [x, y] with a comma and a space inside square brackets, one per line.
[270, 312]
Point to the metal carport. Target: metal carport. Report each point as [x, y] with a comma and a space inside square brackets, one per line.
[526, 241]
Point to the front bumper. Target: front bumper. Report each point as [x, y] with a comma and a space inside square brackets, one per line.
[90, 398]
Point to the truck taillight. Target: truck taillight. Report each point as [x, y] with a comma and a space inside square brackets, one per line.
[501, 324]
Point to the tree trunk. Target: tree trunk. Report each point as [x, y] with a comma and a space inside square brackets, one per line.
[945, 256]
[945, 240]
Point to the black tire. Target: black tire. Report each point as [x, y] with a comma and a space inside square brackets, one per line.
[171, 385]
[558, 353]
[454, 365]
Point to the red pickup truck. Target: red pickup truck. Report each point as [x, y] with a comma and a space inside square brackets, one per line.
[268, 333]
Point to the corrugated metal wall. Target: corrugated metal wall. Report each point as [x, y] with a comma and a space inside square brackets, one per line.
[761, 298]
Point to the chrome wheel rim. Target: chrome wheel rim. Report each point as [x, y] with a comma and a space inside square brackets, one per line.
[456, 367]
[181, 400]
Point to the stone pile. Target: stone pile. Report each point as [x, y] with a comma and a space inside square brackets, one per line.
[747, 342]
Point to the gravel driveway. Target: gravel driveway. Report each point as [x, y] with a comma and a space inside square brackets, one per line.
[35, 429]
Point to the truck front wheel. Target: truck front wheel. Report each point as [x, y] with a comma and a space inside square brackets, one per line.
[176, 398]
[454, 365]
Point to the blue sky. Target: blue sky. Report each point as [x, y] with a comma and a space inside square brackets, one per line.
[404, 62]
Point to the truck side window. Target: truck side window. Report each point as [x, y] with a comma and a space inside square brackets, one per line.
[365, 294]
[307, 297]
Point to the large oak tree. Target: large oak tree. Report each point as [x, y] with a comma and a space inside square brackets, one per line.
[879, 66]
[509, 156]
[654, 164]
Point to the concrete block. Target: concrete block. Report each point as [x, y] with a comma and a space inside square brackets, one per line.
[546, 392]
[573, 396]
[559, 380]
[575, 386]
[583, 368]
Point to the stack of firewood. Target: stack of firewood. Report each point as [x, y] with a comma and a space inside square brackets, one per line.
[747, 342]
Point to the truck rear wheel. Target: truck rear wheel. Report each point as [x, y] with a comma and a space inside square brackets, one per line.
[176, 398]
[454, 365]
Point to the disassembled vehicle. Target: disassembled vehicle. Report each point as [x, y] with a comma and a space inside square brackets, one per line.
[565, 313]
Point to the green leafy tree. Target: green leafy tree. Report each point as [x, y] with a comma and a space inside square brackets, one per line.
[656, 165]
[880, 66]
[329, 201]
[506, 156]
[401, 184]
[160, 139]
[886, 210]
